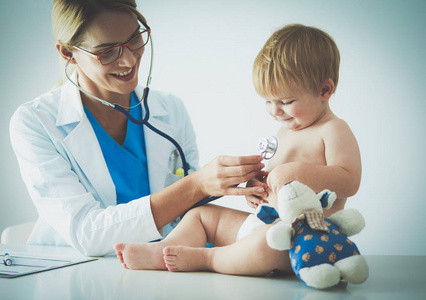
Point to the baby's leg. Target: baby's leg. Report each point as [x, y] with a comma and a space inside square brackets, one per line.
[198, 227]
[248, 256]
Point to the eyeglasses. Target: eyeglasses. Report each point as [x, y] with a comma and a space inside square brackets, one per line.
[112, 54]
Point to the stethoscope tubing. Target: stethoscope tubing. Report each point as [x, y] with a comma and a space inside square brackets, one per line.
[145, 122]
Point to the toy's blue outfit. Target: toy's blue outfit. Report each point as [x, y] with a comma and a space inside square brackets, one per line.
[315, 240]
[311, 247]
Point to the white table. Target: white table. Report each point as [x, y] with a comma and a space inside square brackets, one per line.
[391, 277]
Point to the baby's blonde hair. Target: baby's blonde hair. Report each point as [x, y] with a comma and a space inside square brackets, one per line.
[71, 17]
[296, 57]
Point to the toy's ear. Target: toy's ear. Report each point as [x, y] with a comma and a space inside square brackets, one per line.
[327, 198]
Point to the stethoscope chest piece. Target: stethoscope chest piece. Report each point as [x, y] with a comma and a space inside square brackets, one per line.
[267, 147]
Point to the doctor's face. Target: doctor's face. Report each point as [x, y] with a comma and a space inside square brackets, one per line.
[109, 29]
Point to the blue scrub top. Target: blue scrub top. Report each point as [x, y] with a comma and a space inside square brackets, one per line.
[127, 164]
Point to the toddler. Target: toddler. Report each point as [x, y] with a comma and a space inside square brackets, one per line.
[296, 72]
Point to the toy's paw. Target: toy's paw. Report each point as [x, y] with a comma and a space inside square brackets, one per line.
[278, 236]
[320, 276]
[350, 221]
[353, 269]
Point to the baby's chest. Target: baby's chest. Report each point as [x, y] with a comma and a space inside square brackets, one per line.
[309, 149]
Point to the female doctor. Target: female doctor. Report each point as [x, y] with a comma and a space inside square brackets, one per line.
[95, 177]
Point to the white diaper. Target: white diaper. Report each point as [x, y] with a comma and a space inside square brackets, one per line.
[250, 224]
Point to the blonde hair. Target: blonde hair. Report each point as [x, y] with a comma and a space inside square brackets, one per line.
[71, 17]
[296, 57]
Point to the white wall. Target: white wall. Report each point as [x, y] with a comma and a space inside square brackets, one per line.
[204, 54]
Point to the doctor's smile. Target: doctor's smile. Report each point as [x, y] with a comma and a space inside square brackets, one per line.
[124, 73]
[125, 76]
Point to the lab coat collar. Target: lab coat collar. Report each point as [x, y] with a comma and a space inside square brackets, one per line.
[70, 106]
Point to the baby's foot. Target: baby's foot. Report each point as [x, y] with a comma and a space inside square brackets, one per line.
[181, 258]
[141, 256]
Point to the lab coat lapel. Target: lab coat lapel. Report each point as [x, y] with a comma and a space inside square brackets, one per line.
[83, 145]
[85, 149]
[158, 149]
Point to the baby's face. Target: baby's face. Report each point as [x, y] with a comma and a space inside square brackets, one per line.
[296, 110]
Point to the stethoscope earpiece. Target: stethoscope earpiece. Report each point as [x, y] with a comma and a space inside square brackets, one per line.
[267, 147]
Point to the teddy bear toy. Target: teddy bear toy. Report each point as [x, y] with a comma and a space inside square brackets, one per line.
[320, 252]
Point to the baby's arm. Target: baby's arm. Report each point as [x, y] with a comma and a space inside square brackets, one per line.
[342, 172]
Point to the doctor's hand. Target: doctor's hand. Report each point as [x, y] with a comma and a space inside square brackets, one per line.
[223, 175]
[253, 200]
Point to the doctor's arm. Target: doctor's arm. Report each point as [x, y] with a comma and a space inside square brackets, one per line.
[218, 178]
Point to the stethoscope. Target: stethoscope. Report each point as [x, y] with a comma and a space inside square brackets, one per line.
[144, 99]
[268, 145]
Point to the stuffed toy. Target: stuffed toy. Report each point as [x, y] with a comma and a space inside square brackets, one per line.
[320, 252]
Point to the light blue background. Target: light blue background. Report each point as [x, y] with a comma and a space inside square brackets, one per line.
[204, 54]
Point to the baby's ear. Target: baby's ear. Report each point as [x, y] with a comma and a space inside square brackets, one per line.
[327, 89]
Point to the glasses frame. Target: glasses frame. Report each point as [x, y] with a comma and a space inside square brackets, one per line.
[98, 56]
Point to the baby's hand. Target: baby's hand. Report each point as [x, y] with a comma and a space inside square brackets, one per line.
[255, 199]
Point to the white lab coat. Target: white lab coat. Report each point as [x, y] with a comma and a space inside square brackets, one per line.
[67, 178]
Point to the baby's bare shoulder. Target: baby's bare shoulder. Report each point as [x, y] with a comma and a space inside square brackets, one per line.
[336, 129]
[335, 124]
